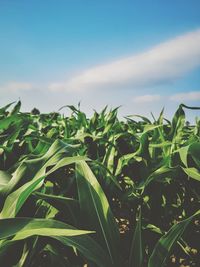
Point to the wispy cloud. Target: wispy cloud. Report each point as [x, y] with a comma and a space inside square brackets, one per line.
[179, 97]
[146, 98]
[16, 86]
[189, 96]
[162, 63]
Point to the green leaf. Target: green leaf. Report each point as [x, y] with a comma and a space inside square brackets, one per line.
[194, 151]
[192, 172]
[15, 200]
[22, 228]
[64, 204]
[6, 122]
[136, 250]
[3, 109]
[157, 174]
[16, 109]
[183, 152]
[96, 211]
[35, 168]
[166, 242]
[4, 178]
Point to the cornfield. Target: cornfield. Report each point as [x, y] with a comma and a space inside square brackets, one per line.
[98, 192]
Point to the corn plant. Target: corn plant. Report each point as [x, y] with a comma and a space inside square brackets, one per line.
[98, 192]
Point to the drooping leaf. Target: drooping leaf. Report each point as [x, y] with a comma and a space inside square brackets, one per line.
[192, 172]
[15, 200]
[17, 229]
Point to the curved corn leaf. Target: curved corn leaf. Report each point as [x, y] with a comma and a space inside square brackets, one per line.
[192, 172]
[22, 228]
[166, 242]
[15, 200]
[34, 168]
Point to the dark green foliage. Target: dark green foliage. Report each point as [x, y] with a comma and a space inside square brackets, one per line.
[98, 192]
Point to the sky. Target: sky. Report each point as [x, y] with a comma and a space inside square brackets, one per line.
[141, 55]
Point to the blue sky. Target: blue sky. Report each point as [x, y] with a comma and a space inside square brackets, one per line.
[142, 55]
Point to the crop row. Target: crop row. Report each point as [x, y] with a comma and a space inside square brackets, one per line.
[99, 191]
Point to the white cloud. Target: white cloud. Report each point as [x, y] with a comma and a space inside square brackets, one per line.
[162, 63]
[16, 86]
[146, 98]
[189, 96]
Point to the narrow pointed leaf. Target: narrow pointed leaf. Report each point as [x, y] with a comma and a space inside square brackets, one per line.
[22, 228]
[136, 251]
[96, 211]
[166, 242]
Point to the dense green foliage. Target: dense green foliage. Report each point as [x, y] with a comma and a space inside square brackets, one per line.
[98, 192]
